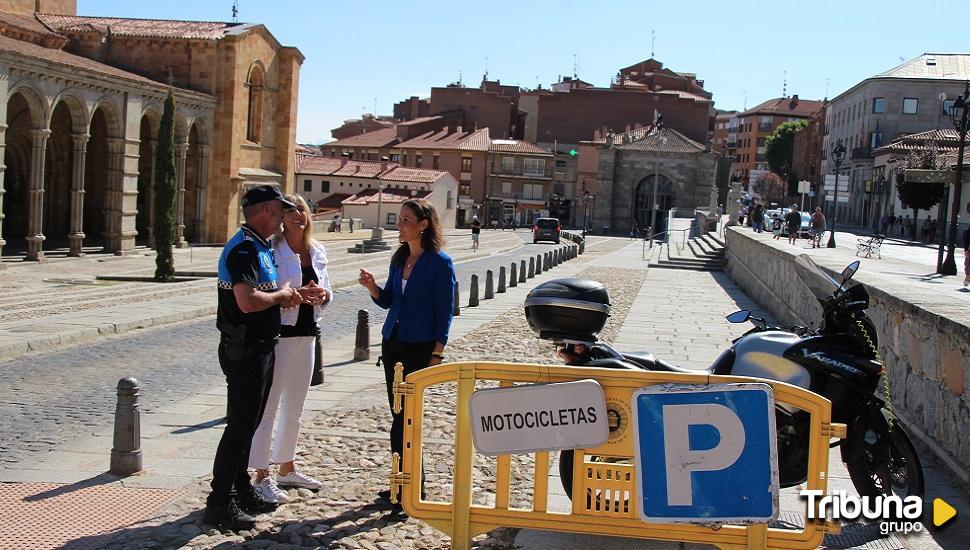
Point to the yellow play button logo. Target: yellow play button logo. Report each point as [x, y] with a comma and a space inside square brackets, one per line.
[942, 512]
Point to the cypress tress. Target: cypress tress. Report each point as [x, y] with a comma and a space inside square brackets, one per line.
[165, 194]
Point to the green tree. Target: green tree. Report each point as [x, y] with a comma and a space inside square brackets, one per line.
[780, 145]
[165, 194]
[920, 196]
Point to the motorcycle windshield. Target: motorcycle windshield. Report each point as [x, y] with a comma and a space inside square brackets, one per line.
[817, 281]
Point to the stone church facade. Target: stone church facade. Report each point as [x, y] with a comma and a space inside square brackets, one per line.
[82, 101]
[629, 162]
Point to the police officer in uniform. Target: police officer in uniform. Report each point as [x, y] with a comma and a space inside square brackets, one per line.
[249, 322]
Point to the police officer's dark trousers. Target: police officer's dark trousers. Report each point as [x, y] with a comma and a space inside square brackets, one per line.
[249, 374]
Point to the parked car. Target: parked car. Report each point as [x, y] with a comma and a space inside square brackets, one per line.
[546, 229]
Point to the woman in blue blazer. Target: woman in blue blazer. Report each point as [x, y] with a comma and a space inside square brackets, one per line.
[419, 295]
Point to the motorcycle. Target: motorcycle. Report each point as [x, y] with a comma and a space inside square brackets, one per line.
[839, 361]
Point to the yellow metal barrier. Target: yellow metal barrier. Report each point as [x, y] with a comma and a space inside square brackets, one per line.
[615, 515]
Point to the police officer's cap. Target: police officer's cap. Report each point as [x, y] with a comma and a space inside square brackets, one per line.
[263, 193]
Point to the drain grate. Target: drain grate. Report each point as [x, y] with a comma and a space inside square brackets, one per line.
[48, 515]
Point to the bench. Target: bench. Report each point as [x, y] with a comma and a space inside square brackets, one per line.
[870, 246]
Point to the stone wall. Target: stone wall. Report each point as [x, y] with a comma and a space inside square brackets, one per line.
[924, 339]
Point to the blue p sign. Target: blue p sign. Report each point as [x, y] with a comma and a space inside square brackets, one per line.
[706, 453]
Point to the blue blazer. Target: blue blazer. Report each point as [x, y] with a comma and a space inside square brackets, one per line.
[422, 311]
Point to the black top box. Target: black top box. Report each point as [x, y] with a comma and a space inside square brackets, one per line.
[568, 309]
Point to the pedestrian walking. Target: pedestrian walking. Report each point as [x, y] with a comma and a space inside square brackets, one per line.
[248, 319]
[758, 218]
[777, 226]
[793, 222]
[817, 225]
[476, 232]
[302, 262]
[908, 228]
[892, 224]
[351, 223]
[416, 330]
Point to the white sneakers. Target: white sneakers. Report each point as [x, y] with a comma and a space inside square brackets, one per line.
[269, 492]
[298, 479]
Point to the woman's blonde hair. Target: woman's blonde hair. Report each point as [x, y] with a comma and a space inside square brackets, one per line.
[308, 239]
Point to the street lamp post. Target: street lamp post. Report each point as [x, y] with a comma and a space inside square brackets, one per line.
[838, 155]
[656, 176]
[380, 197]
[958, 115]
[588, 199]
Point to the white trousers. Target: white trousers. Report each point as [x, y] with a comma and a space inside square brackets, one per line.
[291, 382]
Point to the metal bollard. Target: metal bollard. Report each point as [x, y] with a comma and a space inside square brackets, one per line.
[489, 292]
[501, 280]
[522, 272]
[546, 264]
[456, 310]
[473, 292]
[538, 264]
[532, 267]
[362, 345]
[557, 257]
[513, 275]
[126, 450]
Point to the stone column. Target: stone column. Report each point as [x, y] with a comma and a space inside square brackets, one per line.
[3, 169]
[76, 234]
[201, 189]
[153, 144]
[181, 151]
[113, 195]
[35, 204]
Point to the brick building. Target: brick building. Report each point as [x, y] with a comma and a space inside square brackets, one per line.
[725, 138]
[755, 125]
[807, 153]
[431, 142]
[362, 125]
[83, 98]
[519, 184]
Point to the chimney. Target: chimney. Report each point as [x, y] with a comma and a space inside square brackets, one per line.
[794, 101]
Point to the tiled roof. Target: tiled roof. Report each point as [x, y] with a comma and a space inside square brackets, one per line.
[949, 66]
[399, 173]
[332, 201]
[783, 106]
[476, 140]
[383, 138]
[367, 196]
[514, 146]
[385, 171]
[946, 139]
[158, 28]
[24, 22]
[685, 95]
[646, 139]
[60, 57]
[419, 120]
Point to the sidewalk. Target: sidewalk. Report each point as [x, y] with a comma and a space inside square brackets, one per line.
[65, 301]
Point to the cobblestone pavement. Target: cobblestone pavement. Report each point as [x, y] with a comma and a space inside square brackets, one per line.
[347, 449]
[49, 398]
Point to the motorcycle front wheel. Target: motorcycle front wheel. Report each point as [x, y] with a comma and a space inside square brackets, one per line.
[883, 461]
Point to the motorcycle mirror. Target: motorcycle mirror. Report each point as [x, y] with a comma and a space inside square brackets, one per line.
[849, 271]
[739, 316]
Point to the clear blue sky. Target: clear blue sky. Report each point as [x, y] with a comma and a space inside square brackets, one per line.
[389, 50]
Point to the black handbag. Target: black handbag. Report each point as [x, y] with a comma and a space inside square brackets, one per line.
[317, 378]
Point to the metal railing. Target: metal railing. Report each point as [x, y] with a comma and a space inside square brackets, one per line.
[666, 232]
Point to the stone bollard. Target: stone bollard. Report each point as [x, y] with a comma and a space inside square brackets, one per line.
[362, 344]
[456, 311]
[532, 267]
[501, 280]
[538, 264]
[126, 451]
[489, 285]
[473, 292]
[546, 264]
[557, 257]
[513, 275]
[522, 271]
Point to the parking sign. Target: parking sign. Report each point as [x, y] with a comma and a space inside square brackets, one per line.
[706, 454]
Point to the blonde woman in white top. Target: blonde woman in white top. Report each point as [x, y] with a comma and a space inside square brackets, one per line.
[301, 261]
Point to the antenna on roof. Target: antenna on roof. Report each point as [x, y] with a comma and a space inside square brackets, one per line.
[827, 80]
[575, 63]
[459, 78]
[653, 39]
[486, 68]
[784, 83]
[235, 11]
[745, 108]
